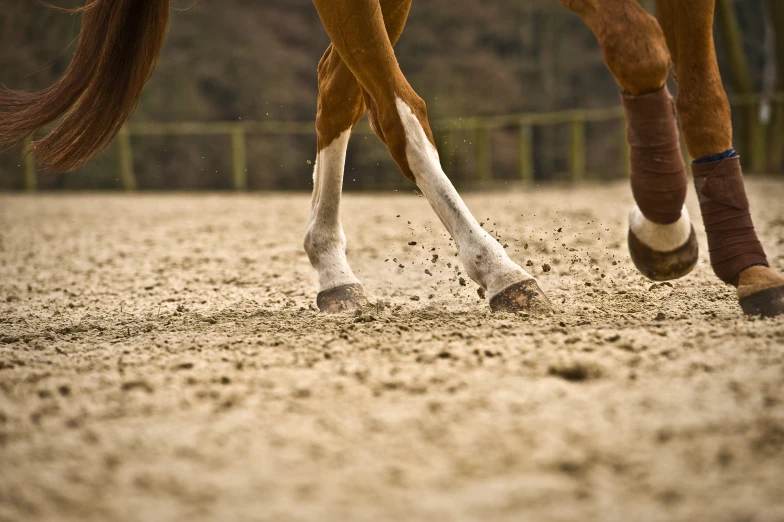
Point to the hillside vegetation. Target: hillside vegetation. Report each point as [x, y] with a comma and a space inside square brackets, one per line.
[250, 60]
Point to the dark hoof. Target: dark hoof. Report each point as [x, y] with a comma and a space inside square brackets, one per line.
[525, 296]
[664, 266]
[765, 303]
[341, 299]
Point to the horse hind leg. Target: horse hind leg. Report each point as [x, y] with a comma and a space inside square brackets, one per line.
[340, 106]
[662, 241]
[736, 254]
[400, 119]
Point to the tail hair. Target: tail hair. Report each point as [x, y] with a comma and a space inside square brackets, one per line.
[118, 48]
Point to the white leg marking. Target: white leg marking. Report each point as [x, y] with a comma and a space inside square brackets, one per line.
[484, 259]
[325, 241]
[661, 238]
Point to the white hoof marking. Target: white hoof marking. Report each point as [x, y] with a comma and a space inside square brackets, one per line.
[325, 241]
[661, 238]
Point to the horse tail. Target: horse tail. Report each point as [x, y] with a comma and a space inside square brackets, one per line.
[119, 45]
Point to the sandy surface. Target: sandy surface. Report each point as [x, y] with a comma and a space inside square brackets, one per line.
[161, 359]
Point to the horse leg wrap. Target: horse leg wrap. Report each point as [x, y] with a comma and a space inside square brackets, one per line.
[732, 242]
[659, 180]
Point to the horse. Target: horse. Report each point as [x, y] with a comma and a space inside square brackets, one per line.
[120, 42]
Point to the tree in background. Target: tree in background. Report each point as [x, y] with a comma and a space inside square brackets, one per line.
[257, 61]
[776, 133]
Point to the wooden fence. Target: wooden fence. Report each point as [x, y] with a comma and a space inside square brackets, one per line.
[481, 127]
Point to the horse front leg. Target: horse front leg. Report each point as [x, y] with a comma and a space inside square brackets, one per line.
[399, 117]
[662, 241]
[341, 104]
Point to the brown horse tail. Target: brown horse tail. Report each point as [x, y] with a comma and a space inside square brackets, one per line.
[119, 45]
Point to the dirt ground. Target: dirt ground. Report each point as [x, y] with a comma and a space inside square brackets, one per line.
[161, 359]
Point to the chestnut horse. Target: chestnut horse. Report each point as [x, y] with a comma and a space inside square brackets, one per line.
[121, 40]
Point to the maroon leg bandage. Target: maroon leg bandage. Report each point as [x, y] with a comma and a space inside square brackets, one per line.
[732, 241]
[659, 180]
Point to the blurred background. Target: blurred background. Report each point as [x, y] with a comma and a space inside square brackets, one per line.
[517, 92]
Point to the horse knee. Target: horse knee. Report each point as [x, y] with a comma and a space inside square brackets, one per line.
[581, 7]
[388, 124]
[632, 42]
[637, 54]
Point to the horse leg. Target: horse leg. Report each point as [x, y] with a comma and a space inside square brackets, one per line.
[662, 242]
[737, 257]
[340, 106]
[399, 117]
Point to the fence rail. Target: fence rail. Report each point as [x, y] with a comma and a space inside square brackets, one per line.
[237, 133]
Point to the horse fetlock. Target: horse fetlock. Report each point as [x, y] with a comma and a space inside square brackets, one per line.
[321, 240]
[487, 264]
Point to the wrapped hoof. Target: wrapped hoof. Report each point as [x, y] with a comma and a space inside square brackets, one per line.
[662, 252]
[761, 292]
[765, 303]
[664, 266]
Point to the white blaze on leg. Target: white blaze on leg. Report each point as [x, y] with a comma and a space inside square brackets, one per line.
[325, 241]
[661, 238]
[484, 258]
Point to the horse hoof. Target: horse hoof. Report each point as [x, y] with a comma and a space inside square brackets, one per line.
[341, 299]
[765, 303]
[521, 296]
[664, 266]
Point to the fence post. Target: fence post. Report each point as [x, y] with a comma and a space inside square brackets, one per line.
[775, 154]
[526, 152]
[578, 148]
[483, 154]
[757, 139]
[239, 158]
[30, 172]
[125, 156]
